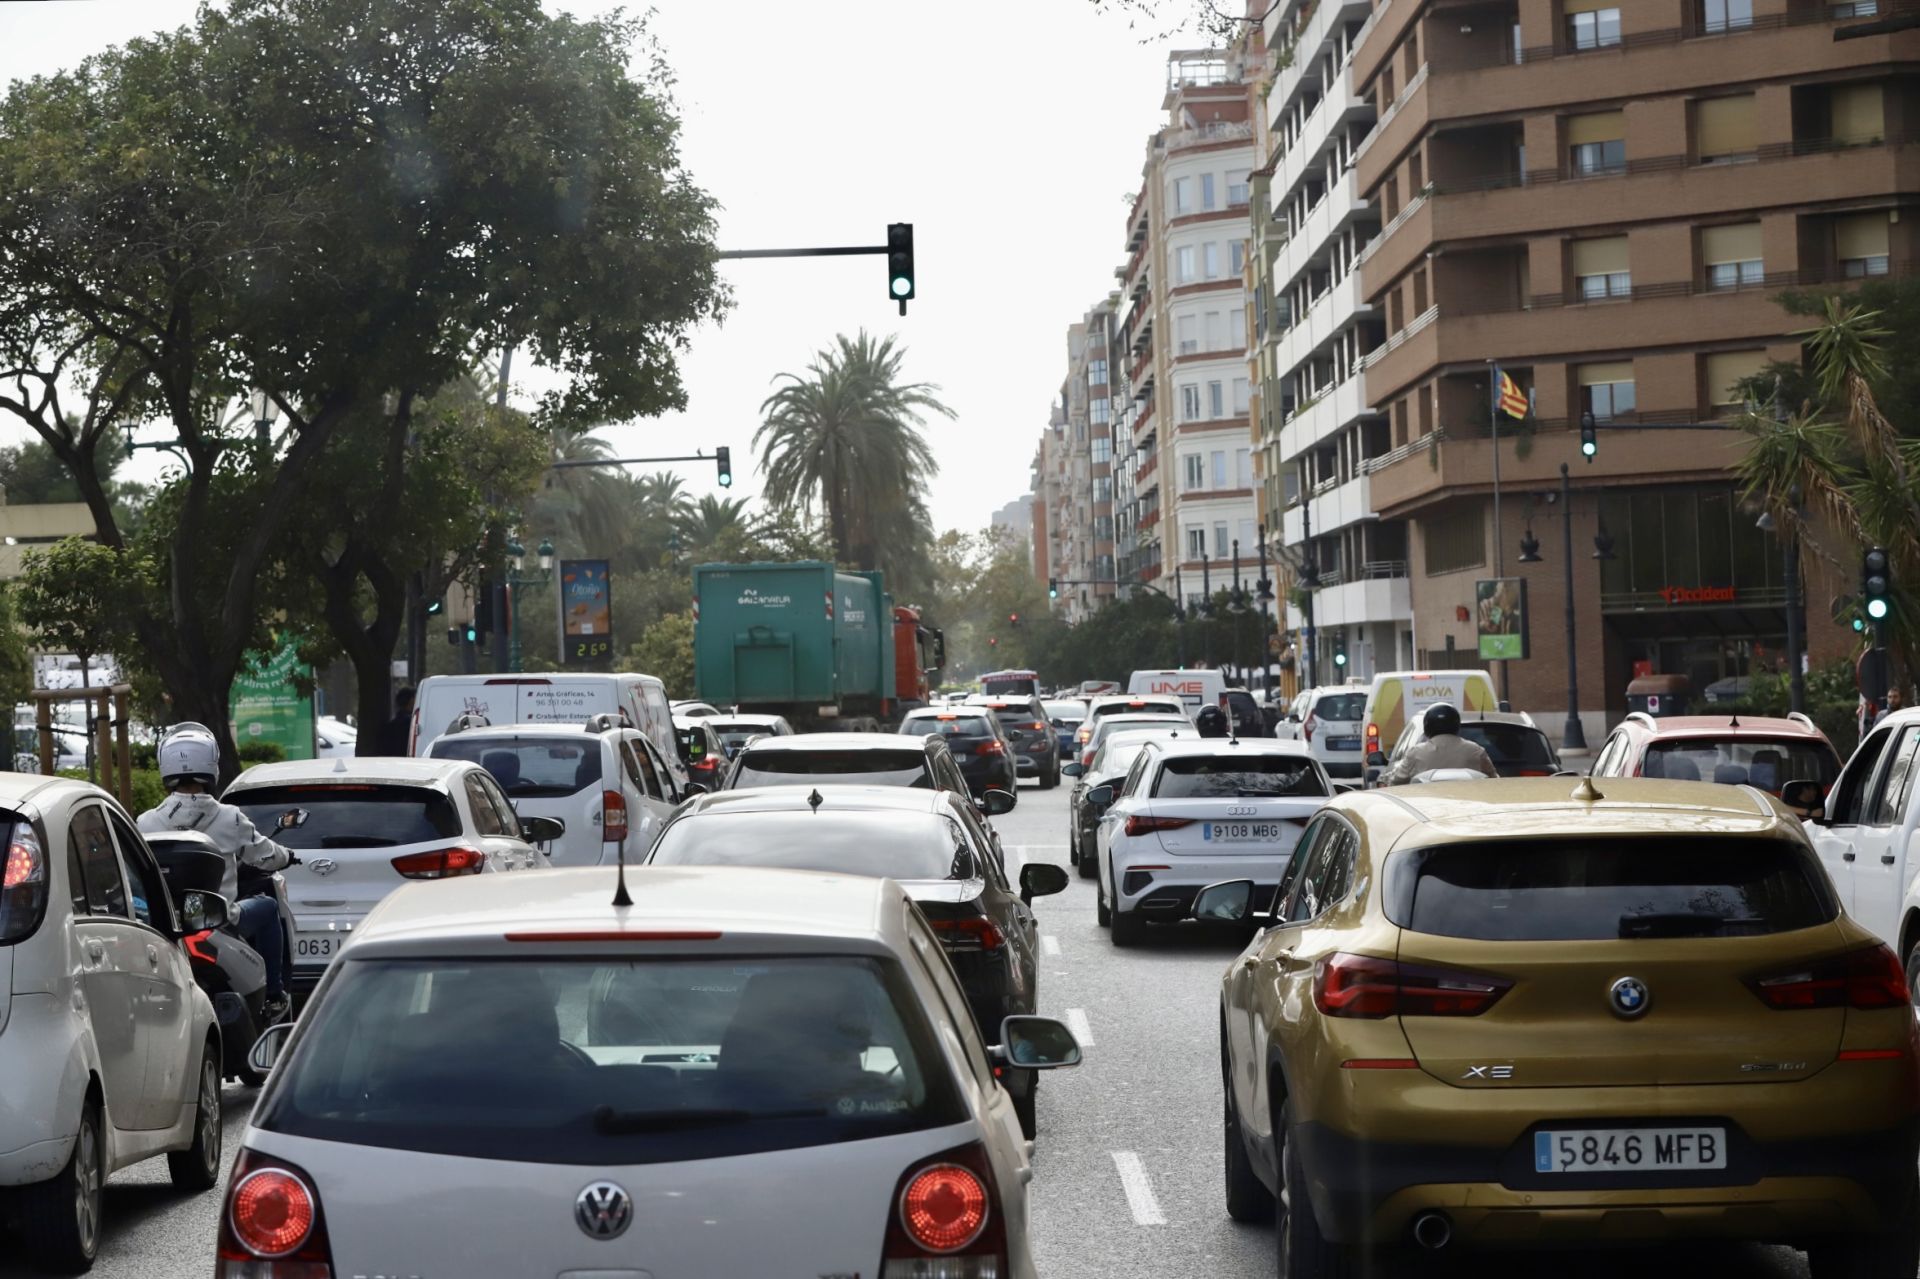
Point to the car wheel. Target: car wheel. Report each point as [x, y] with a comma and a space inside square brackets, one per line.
[1248, 1198]
[197, 1168]
[61, 1217]
[1859, 1256]
[1303, 1252]
[1086, 865]
[1128, 928]
[1050, 778]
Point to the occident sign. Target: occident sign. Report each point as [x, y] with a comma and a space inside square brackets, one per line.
[1696, 595]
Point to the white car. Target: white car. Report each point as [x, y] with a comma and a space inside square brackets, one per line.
[745, 1072]
[1332, 725]
[109, 1053]
[737, 730]
[606, 785]
[1109, 765]
[334, 738]
[1867, 831]
[1193, 813]
[370, 825]
[693, 710]
[1172, 721]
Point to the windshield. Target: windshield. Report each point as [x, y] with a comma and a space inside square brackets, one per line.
[1066, 712]
[1110, 728]
[848, 768]
[1237, 776]
[1341, 707]
[621, 1061]
[1010, 686]
[891, 844]
[1768, 765]
[734, 734]
[351, 815]
[1142, 706]
[529, 767]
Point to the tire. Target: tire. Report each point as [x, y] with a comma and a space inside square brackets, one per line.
[1301, 1251]
[1248, 1198]
[1051, 778]
[1870, 1256]
[1913, 973]
[1128, 928]
[1102, 913]
[197, 1168]
[60, 1218]
[1026, 1107]
[1088, 869]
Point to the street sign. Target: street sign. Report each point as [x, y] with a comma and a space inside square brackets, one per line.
[1500, 610]
[586, 613]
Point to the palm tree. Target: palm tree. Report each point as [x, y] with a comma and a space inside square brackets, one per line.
[582, 507]
[703, 525]
[847, 439]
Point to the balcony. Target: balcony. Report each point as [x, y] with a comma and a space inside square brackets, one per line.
[1338, 108]
[1331, 314]
[1399, 126]
[1212, 133]
[1382, 595]
[1307, 49]
[1338, 208]
[1331, 506]
[1334, 411]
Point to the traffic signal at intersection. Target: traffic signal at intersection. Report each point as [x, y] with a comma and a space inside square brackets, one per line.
[1876, 582]
[900, 263]
[723, 461]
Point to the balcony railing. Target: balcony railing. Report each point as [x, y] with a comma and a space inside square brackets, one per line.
[1210, 132]
[1504, 54]
[1645, 164]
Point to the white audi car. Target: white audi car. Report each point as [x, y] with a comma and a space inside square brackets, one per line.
[1196, 811]
[743, 1072]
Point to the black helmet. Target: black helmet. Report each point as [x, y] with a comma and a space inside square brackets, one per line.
[1211, 721]
[1440, 719]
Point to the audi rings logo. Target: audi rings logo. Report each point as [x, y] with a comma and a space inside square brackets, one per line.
[1242, 810]
[604, 1210]
[1629, 997]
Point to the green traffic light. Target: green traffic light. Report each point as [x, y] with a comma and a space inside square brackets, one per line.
[1589, 448]
[1876, 609]
[902, 286]
[1859, 625]
[1339, 659]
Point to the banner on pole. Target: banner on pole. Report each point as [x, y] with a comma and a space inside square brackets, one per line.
[586, 613]
[1501, 617]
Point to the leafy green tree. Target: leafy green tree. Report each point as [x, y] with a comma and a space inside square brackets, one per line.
[713, 520]
[75, 596]
[335, 201]
[665, 651]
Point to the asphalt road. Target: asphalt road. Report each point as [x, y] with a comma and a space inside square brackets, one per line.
[1127, 1169]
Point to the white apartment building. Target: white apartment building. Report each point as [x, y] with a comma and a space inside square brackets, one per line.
[1314, 331]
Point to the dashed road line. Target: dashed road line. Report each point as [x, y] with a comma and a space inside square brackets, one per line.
[1139, 1190]
[1050, 946]
[1077, 1023]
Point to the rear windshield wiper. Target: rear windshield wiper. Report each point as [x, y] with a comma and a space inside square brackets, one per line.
[615, 1123]
[1682, 924]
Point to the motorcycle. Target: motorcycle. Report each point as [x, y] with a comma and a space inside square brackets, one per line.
[231, 972]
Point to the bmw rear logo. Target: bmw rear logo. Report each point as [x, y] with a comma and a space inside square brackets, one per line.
[1628, 997]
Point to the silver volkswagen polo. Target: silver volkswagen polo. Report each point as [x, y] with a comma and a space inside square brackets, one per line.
[745, 1072]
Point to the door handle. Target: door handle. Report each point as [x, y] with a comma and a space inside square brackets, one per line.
[1886, 859]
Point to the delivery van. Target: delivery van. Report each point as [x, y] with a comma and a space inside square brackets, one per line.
[1196, 688]
[1396, 699]
[547, 699]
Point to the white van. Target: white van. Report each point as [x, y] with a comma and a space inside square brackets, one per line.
[1196, 688]
[558, 698]
[1398, 698]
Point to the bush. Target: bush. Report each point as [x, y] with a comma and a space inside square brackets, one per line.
[261, 753]
[148, 789]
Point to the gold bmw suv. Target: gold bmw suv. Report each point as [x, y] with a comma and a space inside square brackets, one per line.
[1532, 1013]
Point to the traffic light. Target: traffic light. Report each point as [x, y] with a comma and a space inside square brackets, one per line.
[436, 606]
[900, 263]
[1876, 582]
[723, 458]
[453, 636]
[1589, 436]
[993, 641]
[473, 633]
[1340, 654]
[1053, 588]
[1013, 619]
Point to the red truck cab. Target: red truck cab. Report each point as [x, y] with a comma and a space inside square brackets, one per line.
[918, 655]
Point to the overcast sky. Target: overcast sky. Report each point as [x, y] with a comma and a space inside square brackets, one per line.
[1006, 131]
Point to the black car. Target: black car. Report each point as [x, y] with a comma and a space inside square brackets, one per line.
[1248, 719]
[1036, 748]
[976, 740]
[934, 844]
[702, 750]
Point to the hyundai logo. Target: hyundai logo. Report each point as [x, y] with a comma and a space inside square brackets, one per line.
[604, 1210]
[1628, 997]
[322, 865]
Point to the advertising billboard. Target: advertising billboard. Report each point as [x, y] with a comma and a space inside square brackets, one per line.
[586, 613]
[1500, 615]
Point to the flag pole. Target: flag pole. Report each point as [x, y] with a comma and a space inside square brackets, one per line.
[1499, 542]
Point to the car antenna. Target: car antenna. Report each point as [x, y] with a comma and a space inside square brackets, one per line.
[814, 801]
[1733, 720]
[620, 895]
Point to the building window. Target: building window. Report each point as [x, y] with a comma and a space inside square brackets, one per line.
[1196, 542]
[1195, 477]
[1594, 159]
[1593, 29]
[1735, 275]
[1724, 371]
[1206, 191]
[1219, 539]
[1217, 401]
[1597, 143]
[1190, 402]
[1183, 330]
[1724, 131]
[1215, 329]
[1236, 256]
[1182, 196]
[1599, 268]
[1236, 187]
[1243, 469]
[1606, 390]
[1102, 449]
[1454, 541]
[1183, 264]
[1096, 372]
[1098, 412]
[1717, 16]
[1102, 489]
[1212, 260]
[1219, 468]
[1857, 9]
[1858, 113]
[1860, 244]
[1731, 256]
[1241, 395]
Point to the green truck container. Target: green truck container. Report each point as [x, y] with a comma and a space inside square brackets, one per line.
[804, 640]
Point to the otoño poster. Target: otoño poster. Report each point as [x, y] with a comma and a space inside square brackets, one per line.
[1500, 613]
[586, 613]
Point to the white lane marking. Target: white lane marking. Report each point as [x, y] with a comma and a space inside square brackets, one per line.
[1140, 1198]
[1050, 945]
[1077, 1023]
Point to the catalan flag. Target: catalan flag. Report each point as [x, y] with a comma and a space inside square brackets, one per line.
[1513, 401]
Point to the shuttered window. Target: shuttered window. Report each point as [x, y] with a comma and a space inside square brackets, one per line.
[1599, 268]
[1454, 541]
[1610, 371]
[1859, 113]
[1731, 255]
[1606, 389]
[1860, 244]
[1598, 126]
[1724, 370]
[1723, 128]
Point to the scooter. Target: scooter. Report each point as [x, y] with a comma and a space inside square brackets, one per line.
[231, 972]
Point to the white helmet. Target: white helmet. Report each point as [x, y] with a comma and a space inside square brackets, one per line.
[189, 753]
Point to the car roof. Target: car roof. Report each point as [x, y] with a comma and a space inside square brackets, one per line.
[379, 769]
[795, 799]
[831, 742]
[680, 899]
[1109, 699]
[1114, 723]
[569, 731]
[1553, 808]
[1726, 726]
[693, 721]
[725, 717]
[1228, 746]
[33, 788]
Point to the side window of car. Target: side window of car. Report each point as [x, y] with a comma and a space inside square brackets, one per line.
[151, 902]
[90, 847]
[1890, 798]
[1309, 896]
[1850, 806]
[1310, 838]
[649, 778]
[502, 806]
[486, 821]
[938, 971]
[1132, 784]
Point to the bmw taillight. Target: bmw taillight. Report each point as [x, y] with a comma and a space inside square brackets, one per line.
[23, 888]
[1866, 979]
[613, 816]
[441, 863]
[946, 1222]
[272, 1227]
[1367, 986]
[1148, 825]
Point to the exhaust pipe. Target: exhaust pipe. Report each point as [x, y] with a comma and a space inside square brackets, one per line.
[1432, 1231]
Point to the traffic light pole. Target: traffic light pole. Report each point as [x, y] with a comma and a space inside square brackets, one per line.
[899, 249]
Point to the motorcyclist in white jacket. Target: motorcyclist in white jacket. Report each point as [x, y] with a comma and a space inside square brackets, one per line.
[1443, 748]
[189, 768]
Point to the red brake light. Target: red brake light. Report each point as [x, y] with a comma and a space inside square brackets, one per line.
[613, 815]
[944, 1208]
[1306, 729]
[975, 932]
[1366, 986]
[991, 747]
[441, 863]
[1147, 825]
[1866, 979]
[273, 1213]
[1037, 726]
[23, 859]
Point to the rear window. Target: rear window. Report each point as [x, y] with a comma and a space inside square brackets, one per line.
[1236, 776]
[847, 768]
[1579, 890]
[894, 845]
[1341, 707]
[693, 744]
[529, 767]
[620, 1061]
[947, 726]
[1015, 716]
[1142, 706]
[1066, 712]
[352, 815]
[1769, 765]
[1512, 744]
[1025, 687]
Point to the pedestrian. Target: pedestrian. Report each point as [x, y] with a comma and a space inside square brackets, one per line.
[1895, 700]
[394, 739]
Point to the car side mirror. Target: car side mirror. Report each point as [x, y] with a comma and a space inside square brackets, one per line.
[1229, 902]
[1377, 759]
[1036, 1043]
[202, 911]
[266, 1050]
[996, 802]
[693, 788]
[1041, 879]
[541, 830]
[1804, 796]
[1100, 796]
[1073, 769]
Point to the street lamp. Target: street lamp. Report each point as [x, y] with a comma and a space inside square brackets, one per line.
[1573, 737]
[516, 561]
[265, 414]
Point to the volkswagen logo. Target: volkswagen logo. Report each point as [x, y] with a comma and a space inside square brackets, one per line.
[604, 1210]
[1628, 997]
[322, 865]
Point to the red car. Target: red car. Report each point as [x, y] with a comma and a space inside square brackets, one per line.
[1736, 750]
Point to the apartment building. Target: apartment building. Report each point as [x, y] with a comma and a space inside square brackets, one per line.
[1073, 471]
[1604, 199]
[1183, 473]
